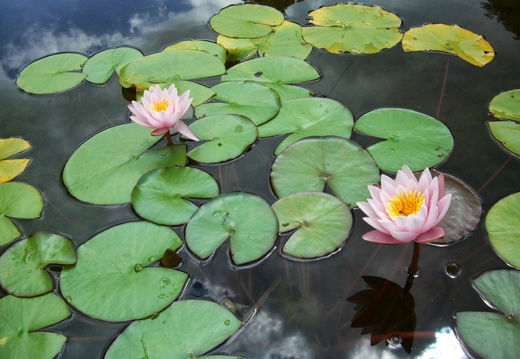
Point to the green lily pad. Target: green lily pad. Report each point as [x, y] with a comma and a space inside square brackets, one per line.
[246, 219]
[251, 99]
[507, 133]
[17, 200]
[313, 163]
[200, 45]
[227, 136]
[488, 334]
[159, 196]
[11, 168]
[506, 105]
[353, 28]
[412, 138]
[452, 39]
[237, 49]
[51, 74]
[246, 21]
[168, 66]
[503, 227]
[186, 329]
[290, 92]
[112, 281]
[322, 223]
[22, 266]
[308, 117]
[105, 169]
[100, 67]
[20, 318]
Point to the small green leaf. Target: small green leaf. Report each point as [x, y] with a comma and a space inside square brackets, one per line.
[112, 279]
[246, 219]
[51, 74]
[506, 105]
[507, 133]
[9, 169]
[100, 67]
[322, 223]
[22, 266]
[159, 196]
[200, 45]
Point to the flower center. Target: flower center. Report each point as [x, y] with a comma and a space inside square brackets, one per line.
[405, 203]
[161, 105]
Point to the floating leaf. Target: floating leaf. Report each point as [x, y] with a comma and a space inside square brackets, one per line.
[9, 169]
[186, 329]
[488, 334]
[105, 169]
[506, 105]
[251, 99]
[312, 163]
[227, 136]
[22, 266]
[246, 21]
[112, 281]
[353, 28]
[20, 318]
[237, 49]
[169, 66]
[159, 196]
[503, 227]
[507, 133]
[412, 138]
[17, 200]
[246, 219]
[308, 117]
[452, 39]
[200, 45]
[102, 65]
[322, 223]
[51, 74]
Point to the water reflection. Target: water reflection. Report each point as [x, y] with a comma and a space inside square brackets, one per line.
[505, 11]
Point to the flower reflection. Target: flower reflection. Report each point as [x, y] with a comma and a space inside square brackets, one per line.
[406, 209]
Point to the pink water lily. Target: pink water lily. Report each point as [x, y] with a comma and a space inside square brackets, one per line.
[161, 110]
[406, 209]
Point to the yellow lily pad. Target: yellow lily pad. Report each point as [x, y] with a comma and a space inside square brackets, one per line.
[9, 169]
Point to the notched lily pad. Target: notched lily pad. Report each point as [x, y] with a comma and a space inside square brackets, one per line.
[322, 223]
[200, 45]
[506, 105]
[452, 39]
[10, 168]
[22, 266]
[100, 67]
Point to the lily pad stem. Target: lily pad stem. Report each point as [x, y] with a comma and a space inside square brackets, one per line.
[413, 268]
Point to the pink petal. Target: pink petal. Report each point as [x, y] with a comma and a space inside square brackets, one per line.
[367, 209]
[378, 237]
[431, 235]
[443, 205]
[374, 223]
[403, 236]
[182, 128]
[159, 131]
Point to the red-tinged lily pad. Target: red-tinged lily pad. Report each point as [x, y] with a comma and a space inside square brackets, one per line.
[22, 266]
[10, 168]
[20, 320]
[186, 329]
[506, 105]
[113, 280]
[322, 223]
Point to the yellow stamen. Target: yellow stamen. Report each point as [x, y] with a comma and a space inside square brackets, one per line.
[161, 105]
[405, 203]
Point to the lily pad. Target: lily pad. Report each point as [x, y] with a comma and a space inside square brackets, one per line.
[452, 39]
[200, 45]
[105, 169]
[100, 67]
[51, 74]
[353, 28]
[186, 329]
[11, 168]
[313, 163]
[112, 281]
[20, 318]
[246, 219]
[322, 223]
[246, 21]
[412, 138]
[507, 133]
[168, 66]
[22, 266]
[506, 105]
[17, 200]
[503, 227]
[227, 136]
[237, 49]
[159, 196]
[251, 99]
[308, 117]
[490, 334]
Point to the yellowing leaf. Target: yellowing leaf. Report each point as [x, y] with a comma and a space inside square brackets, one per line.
[452, 39]
[9, 169]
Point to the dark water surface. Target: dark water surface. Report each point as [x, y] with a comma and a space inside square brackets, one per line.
[306, 315]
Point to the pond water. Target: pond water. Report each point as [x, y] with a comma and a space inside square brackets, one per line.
[302, 308]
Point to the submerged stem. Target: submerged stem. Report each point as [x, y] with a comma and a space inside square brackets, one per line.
[413, 268]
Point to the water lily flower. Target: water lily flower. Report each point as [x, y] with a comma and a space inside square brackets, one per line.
[406, 209]
[162, 109]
